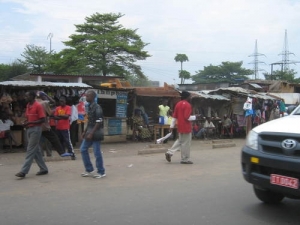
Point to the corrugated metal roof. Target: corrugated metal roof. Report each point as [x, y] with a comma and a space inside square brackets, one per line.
[199, 94]
[234, 89]
[245, 92]
[255, 85]
[42, 84]
[260, 95]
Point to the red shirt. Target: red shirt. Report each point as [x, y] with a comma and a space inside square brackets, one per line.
[63, 124]
[34, 112]
[182, 113]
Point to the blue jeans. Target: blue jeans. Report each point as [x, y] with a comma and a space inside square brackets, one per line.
[84, 149]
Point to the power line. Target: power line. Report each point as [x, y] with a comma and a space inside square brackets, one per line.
[256, 61]
[285, 57]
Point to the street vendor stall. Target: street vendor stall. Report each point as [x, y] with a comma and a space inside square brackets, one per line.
[114, 105]
[12, 98]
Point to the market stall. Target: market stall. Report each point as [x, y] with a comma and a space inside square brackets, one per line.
[114, 105]
[12, 99]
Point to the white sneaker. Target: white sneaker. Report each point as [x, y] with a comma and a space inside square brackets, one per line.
[89, 174]
[98, 176]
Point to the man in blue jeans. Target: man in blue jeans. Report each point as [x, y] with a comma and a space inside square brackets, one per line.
[92, 136]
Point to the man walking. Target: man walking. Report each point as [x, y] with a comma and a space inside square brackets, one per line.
[47, 132]
[35, 117]
[92, 136]
[182, 114]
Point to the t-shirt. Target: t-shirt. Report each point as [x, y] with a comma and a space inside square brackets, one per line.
[34, 112]
[208, 124]
[182, 113]
[6, 125]
[227, 122]
[63, 124]
[163, 110]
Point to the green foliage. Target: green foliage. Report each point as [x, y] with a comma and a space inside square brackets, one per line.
[4, 70]
[67, 62]
[181, 58]
[8, 71]
[104, 47]
[184, 75]
[35, 58]
[288, 75]
[226, 72]
[137, 81]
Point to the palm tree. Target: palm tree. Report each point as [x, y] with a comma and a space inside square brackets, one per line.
[181, 58]
[184, 75]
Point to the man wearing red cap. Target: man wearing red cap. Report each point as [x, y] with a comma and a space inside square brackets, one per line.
[182, 114]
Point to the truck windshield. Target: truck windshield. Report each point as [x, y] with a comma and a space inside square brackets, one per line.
[296, 111]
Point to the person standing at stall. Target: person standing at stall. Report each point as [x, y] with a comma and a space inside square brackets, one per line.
[164, 109]
[62, 115]
[35, 115]
[248, 114]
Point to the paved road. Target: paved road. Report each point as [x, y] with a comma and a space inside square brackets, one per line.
[139, 190]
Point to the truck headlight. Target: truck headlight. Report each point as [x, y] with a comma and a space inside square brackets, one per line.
[252, 140]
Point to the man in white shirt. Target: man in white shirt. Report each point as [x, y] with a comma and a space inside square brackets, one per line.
[5, 124]
[208, 128]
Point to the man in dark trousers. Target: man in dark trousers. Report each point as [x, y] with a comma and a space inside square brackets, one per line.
[47, 132]
[62, 115]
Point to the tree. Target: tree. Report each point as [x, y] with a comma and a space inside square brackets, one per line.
[136, 81]
[67, 62]
[106, 47]
[35, 58]
[288, 75]
[4, 70]
[181, 58]
[8, 71]
[226, 72]
[184, 75]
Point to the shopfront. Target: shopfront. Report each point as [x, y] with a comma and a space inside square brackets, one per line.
[114, 105]
[12, 99]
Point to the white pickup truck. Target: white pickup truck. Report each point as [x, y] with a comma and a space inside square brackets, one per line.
[271, 159]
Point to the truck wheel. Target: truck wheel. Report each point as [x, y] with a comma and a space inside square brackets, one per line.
[267, 196]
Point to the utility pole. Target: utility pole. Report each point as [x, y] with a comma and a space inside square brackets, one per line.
[285, 54]
[256, 61]
[50, 36]
[285, 57]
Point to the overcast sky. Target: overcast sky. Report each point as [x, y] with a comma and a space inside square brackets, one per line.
[207, 31]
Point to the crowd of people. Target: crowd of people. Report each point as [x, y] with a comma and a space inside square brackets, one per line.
[49, 121]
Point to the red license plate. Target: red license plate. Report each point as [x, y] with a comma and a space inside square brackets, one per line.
[284, 181]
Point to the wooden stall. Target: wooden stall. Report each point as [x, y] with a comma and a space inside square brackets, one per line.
[114, 105]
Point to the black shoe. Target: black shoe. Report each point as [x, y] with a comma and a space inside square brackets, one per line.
[42, 173]
[186, 162]
[20, 174]
[168, 157]
[73, 157]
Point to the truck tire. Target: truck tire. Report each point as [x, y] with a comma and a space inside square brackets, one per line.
[267, 196]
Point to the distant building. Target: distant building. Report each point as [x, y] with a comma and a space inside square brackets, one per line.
[154, 83]
[201, 87]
